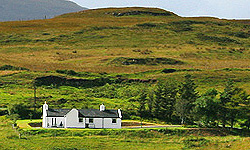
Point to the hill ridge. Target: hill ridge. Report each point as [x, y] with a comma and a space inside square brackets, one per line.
[120, 11]
[12, 10]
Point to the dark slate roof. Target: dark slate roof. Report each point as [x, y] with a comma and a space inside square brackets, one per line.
[88, 113]
[57, 112]
[96, 113]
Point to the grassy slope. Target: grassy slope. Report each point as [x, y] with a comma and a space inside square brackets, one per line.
[91, 39]
[97, 37]
[17, 87]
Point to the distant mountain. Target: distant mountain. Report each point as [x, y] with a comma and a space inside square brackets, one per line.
[11, 10]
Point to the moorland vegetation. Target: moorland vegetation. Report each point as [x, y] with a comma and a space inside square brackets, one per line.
[151, 63]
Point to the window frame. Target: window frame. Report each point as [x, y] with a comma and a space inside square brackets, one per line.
[91, 120]
[80, 120]
[114, 121]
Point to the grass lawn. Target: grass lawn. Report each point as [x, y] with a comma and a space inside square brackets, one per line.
[119, 139]
[24, 124]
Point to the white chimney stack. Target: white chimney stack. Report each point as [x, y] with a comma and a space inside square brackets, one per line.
[119, 113]
[45, 108]
[102, 107]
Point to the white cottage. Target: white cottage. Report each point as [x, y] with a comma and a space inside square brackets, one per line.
[81, 118]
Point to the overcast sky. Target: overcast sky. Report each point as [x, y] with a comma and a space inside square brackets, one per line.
[230, 9]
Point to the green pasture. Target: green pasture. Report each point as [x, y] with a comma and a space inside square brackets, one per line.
[119, 138]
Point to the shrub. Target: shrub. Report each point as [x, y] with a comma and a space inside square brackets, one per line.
[46, 33]
[145, 61]
[131, 13]
[168, 70]
[203, 37]
[185, 25]
[239, 34]
[106, 27]
[9, 67]
[195, 142]
[3, 112]
[147, 25]
[21, 110]
[181, 27]
[188, 22]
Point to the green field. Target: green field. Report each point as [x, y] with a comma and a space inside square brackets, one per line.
[161, 138]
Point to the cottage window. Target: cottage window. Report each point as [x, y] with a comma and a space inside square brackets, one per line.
[61, 124]
[53, 121]
[91, 120]
[80, 119]
[113, 120]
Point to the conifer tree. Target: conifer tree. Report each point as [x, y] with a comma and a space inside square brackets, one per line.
[165, 98]
[185, 102]
[207, 107]
[231, 100]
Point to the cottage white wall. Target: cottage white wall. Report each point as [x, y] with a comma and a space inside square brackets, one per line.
[46, 122]
[57, 121]
[108, 123]
[119, 123]
[104, 123]
[60, 120]
[98, 122]
[45, 108]
[72, 120]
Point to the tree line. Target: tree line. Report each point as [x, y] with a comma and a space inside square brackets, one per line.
[181, 103]
[166, 100]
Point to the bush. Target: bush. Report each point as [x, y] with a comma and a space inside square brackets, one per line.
[147, 25]
[195, 142]
[61, 81]
[9, 67]
[21, 111]
[103, 28]
[169, 70]
[187, 22]
[145, 61]
[239, 34]
[225, 40]
[3, 112]
[185, 25]
[182, 27]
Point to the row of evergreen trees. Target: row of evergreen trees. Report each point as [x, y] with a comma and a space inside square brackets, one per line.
[181, 103]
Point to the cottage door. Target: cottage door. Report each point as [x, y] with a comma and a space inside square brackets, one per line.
[86, 123]
[53, 122]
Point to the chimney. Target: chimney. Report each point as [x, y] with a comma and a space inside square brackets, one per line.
[45, 109]
[45, 106]
[102, 107]
[119, 113]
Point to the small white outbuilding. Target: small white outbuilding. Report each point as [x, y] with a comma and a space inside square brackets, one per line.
[81, 118]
